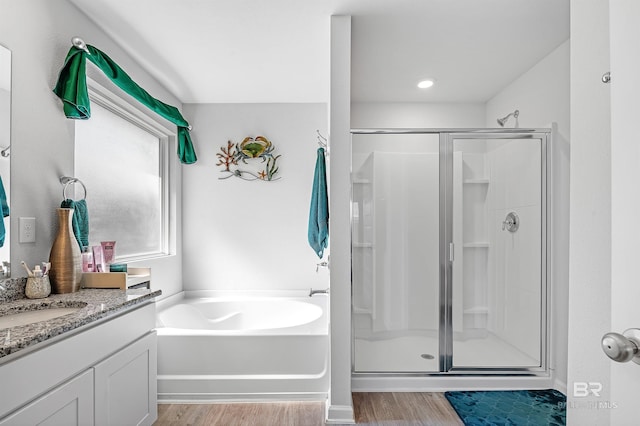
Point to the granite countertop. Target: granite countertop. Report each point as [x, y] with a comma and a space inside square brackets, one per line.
[94, 304]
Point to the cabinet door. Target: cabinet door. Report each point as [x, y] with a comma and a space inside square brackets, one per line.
[68, 404]
[126, 386]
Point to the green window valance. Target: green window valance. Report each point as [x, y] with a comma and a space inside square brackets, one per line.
[72, 89]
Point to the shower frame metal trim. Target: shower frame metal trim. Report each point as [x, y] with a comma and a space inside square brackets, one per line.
[446, 262]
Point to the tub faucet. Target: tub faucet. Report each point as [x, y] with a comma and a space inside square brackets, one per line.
[312, 291]
[322, 264]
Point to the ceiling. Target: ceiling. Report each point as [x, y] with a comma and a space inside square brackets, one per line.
[228, 51]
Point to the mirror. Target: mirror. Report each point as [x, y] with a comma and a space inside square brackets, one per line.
[5, 144]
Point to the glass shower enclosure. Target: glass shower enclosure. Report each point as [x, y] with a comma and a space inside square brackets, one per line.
[449, 251]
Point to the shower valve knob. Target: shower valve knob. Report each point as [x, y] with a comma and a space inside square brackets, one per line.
[511, 223]
[622, 347]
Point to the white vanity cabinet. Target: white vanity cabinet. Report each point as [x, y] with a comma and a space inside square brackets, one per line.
[103, 374]
[126, 385]
[68, 404]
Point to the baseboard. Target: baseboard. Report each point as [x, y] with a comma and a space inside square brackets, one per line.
[445, 383]
[560, 386]
[214, 398]
[339, 415]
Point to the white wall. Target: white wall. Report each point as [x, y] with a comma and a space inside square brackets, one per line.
[541, 94]
[5, 113]
[5, 141]
[542, 97]
[625, 199]
[408, 115]
[38, 32]
[5, 70]
[5, 162]
[590, 232]
[339, 407]
[251, 235]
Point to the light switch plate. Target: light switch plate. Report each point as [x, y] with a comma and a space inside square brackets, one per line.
[27, 229]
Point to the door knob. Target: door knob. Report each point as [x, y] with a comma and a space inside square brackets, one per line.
[622, 347]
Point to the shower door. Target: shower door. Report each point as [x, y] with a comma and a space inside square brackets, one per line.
[496, 309]
[449, 251]
[395, 252]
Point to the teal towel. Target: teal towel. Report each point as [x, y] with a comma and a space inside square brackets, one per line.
[4, 209]
[319, 212]
[80, 220]
[72, 89]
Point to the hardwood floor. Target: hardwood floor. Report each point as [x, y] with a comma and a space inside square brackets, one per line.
[242, 414]
[404, 408]
[379, 408]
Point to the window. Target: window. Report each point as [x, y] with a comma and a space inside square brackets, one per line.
[121, 155]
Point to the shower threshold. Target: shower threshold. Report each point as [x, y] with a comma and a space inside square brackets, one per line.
[419, 353]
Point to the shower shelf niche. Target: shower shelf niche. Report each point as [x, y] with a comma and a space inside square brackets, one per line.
[472, 189]
[362, 245]
[476, 245]
[481, 181]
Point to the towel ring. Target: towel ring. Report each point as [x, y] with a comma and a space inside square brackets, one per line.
[68, 181]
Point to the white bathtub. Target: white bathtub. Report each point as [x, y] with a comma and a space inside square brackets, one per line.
[242, 348]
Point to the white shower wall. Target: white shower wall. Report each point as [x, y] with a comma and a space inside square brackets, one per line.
[496, 278]
[407, 229]
[515, 258]
[395, 233]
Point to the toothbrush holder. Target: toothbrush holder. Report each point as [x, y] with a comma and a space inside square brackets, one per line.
[37, 287]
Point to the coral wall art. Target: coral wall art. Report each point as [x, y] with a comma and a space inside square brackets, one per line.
[251, 159]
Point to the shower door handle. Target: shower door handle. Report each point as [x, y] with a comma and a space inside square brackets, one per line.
[451, 252]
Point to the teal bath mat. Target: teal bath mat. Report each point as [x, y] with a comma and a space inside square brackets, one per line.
[510, 408]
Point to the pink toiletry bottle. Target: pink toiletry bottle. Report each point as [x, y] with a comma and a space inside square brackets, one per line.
[87, 260]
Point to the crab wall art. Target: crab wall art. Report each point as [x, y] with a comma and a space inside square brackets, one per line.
[256, 152]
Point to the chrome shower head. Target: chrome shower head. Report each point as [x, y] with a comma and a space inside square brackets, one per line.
[503, 120]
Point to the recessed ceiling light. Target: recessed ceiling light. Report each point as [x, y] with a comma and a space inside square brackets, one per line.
[425, 84]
